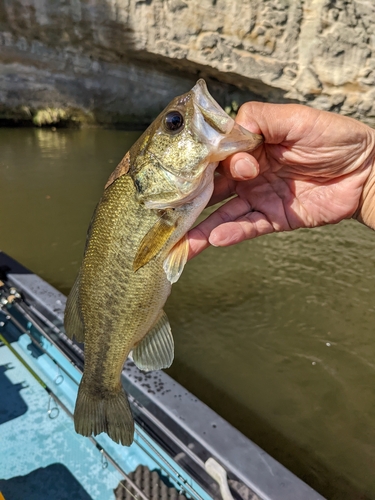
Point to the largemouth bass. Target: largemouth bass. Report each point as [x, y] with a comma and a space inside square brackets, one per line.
[137, 247]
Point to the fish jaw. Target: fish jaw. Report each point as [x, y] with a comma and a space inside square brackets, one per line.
[204, 183]
[217, 129]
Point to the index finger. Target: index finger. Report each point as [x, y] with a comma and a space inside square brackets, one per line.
[223, 188]
[199, 235]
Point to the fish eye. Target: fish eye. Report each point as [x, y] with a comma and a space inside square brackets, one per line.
[174, 121]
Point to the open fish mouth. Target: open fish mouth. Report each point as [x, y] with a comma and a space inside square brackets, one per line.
[215, 127]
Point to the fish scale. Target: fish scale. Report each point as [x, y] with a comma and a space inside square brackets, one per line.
[105, 252]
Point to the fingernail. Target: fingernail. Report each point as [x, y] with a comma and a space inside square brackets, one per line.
[245, 168]
[211, 241]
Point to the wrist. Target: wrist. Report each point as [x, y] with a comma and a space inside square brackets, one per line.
[365, 212]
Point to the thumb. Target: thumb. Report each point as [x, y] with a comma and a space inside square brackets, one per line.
[240, 167]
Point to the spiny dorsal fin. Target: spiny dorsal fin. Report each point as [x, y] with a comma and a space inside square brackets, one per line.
[156, 350]
[153, 241]
[175, 262]
[72, 320]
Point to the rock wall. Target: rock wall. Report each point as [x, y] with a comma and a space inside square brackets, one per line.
[121, 61]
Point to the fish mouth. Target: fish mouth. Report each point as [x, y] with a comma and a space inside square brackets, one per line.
[212, 112]
[215, 127]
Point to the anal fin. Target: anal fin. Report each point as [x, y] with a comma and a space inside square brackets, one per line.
[72, 319]
[156, 350]
[175, 262]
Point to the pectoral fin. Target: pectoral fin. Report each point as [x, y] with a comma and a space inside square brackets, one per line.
[156, 349]
[72, 320]
[175, 262]
[153, 242]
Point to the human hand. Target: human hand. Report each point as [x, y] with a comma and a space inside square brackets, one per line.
[314, 168]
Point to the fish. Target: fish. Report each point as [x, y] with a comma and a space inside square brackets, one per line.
[137, 247]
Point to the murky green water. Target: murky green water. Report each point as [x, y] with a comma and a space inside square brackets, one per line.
[277, 335]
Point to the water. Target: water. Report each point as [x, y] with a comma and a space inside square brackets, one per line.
[275, 334]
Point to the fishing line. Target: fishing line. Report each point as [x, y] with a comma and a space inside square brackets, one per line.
[24, 330]
[178, 477]
[166, 431]
[35, 324]
[19, 357]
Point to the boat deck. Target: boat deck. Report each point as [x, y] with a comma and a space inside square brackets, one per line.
[176, 434]
[44, 455]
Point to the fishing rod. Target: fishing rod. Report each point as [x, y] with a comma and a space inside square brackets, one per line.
[55, 414]
[147, 413]
[15, 298]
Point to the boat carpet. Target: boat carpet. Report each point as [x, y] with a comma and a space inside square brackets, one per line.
[154, 486]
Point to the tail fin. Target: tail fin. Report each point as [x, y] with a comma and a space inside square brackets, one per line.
[111, 415]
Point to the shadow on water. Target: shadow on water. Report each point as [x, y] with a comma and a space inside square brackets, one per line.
[12, 404]
[45, 483]
[300, 461]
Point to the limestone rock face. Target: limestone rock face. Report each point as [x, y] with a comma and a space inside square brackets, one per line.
[113, 61]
